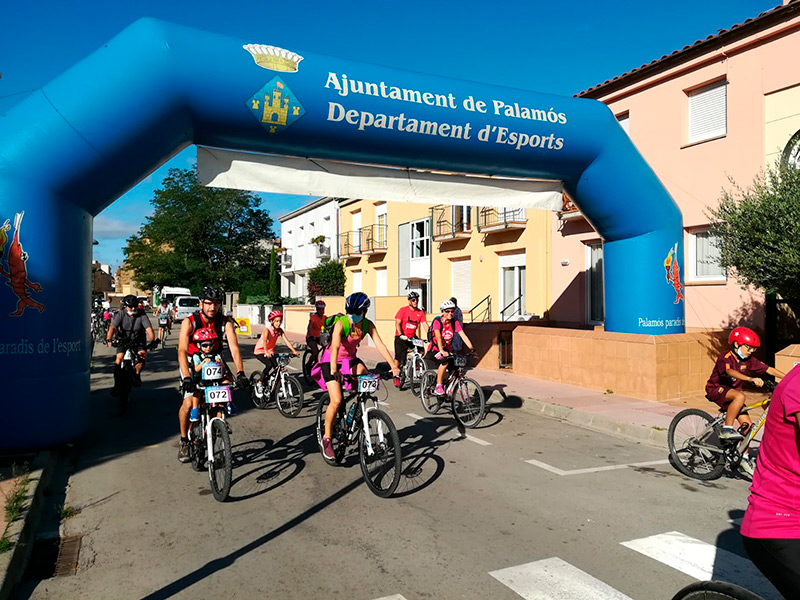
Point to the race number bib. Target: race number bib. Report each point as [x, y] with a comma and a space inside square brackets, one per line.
[162, 320]
[218, 394]
[368, 384]
[213, 370]
[418, 342]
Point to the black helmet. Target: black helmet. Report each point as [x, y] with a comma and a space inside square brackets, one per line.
[130, 301]
[413, 296]
[211, 293]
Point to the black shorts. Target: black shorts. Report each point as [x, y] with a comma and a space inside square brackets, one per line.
[432, 362]
[326, 368]
[778, 560]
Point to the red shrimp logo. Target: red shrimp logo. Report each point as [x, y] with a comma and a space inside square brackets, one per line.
[673, 270]
[15, 269]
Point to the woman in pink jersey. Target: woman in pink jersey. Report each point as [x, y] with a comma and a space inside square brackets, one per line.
[265, 347]
[771, 525]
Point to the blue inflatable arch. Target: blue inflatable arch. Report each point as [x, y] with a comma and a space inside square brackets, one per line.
[73, 147]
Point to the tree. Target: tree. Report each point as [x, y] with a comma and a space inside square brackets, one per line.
[274, 286]
[326, 279]
[758, 231]
[200, 236]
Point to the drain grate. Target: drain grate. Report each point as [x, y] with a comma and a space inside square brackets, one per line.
[53, 557]
[67, 562]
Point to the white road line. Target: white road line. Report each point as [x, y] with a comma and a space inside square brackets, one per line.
[478, 441]
[415, 416]
[555, 579]
[395, 597]
[562, 473]
[703, 561]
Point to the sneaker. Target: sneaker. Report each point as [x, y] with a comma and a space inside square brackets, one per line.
[729, 433]
[137, 380]
[747, 466]
[232, 408]
[398, 382]
[439, 390]
[194, 415]
[183, 451]
[327, 448]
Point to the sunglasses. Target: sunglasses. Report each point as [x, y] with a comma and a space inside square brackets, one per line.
[207, 345]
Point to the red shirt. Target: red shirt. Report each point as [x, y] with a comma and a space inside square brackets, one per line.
[410, 320]
[720, 378]
[315, 323]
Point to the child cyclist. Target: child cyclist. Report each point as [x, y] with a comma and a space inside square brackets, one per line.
[444, 329]
[265, 347]
[341, 357]
[315, 323]
[206, 355]
[724, 386]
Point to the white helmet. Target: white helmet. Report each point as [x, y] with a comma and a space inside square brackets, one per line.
[446, 305]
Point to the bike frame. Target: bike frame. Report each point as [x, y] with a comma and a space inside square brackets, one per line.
[209, 448]
[742, 445]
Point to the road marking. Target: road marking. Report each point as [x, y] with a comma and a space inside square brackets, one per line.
[395, 597]
[416, 416]
[562, 473]
[703, 561]
[555, 579]
[478, 441]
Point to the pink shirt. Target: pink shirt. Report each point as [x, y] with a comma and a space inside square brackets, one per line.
[267, 340]
[448, 330]
[774, 509]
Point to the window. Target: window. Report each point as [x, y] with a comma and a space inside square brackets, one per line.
[595, 305]
[420, 239]
[462, 218]
[300, 236]
[708, 112]
[381, 220]
[624, 121]
[703, 263]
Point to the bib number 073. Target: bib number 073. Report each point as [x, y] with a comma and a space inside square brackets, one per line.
[368, 384]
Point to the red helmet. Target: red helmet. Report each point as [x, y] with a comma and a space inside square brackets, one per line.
[204, 334]
[744, 336]
[319, 304]
[274, 314]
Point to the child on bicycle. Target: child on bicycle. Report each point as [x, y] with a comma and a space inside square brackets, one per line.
[265, 347]
[732, 369]
[315, 324]
[208, 353]
[340, 358]
[444, 329]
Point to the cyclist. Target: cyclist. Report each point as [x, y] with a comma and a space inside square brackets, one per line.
[341, 357]
[444, 329]
[206, 342]
[164, 309]
[732, 369]
[265, 347]
[771, 525]
[407, 324]
[131, 324]
[315, 323]
[206, 324]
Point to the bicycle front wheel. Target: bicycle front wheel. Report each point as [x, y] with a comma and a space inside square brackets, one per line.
[220, 469]
[289, 396]
[308, 364]
[382, 467]
[715, 590]
[469, 402]
[417, 370]
[693, 445]
[430, 401]
[257, 392]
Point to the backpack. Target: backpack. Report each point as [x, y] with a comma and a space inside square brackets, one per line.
[325, 338]
[430, 329]
[219, 325]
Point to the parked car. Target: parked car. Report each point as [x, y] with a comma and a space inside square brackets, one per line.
[185, 306]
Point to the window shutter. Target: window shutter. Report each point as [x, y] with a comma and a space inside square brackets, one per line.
[708, 112]
[461, 288]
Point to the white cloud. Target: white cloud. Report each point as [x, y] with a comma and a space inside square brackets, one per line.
[106, 228]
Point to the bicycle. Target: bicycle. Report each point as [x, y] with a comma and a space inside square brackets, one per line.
[415, 365]
[210, 437]
[363, 423]
[163, 322]
[466, 397]
[715, 590]
[281, 387]
[694, 444]
[130, 358]
[99, 327]
[308, 362]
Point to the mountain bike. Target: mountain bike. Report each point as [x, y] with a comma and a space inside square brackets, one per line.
[99, 327]
[414, 368]
[281, 388]
[308, 362]
[210, 437]
[465, 395]
[694, 444]
[715, 590]
[163, 321]
[130, 358]
[360, 421]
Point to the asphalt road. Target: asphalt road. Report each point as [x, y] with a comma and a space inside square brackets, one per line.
[524, 507]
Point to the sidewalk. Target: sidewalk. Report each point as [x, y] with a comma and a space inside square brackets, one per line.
[632, 418]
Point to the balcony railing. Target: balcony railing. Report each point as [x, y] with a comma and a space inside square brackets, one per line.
[498, 219]
[373, 239]
[350, 244]
[450, 222]
[323, 251]
[286, 258]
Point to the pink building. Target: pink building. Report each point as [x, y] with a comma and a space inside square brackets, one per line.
[719, 109]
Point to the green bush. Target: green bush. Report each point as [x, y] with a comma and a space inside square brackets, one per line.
[326, 279]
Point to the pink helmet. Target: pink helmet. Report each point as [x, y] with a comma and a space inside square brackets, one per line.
[274, 314]
[744, 336]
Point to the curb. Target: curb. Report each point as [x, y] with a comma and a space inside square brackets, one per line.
[23, 530]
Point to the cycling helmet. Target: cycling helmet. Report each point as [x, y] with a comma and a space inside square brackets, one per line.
[130, 301]
[744, 336]
[356, 303]
[205, 334]
[413, 296]
[447, 305]
[274, 314]
[211, 293]
[319, 304]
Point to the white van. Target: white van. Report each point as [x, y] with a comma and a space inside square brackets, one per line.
[185, 306]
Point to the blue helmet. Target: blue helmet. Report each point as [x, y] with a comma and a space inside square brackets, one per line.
[356, 303]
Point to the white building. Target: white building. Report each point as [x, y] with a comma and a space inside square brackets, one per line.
[298, 228]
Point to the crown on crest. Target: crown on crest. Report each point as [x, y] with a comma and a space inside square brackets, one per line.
[275, 59]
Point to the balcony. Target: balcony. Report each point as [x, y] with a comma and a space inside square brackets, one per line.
[501, 219]
[350, 244]
[373, 239]
[323, 251]
[286, 259]
[451, 222]
[568, 210]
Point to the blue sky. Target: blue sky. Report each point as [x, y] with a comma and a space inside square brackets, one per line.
[559, 48]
